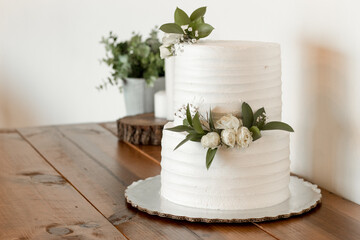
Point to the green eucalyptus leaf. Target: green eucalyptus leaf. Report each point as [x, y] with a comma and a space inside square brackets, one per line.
[198, 13]
[188, 115]
[171, 28]
[193, 132]
[197, 21]
[247, 115]
[278, 126]
[181, 18]
[195, 137]
[182, 142]
[180, 128]
[142, 50]
[123, 59]
[192, 136]
[211, 121]
[255, 133]
[210, 154]
[185, 122]
[203, 29]
[196, 124]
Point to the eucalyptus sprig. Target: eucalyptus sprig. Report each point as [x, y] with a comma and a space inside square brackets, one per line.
[227, 131]
[256, 122]
[192, 126]
[185, 29]
[182, 23]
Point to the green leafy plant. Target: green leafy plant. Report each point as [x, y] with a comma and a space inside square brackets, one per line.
[186, 29]
[133, 58]
[199, 128]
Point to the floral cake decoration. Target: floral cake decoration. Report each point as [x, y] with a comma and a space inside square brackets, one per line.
[227, 132]
[185, 30]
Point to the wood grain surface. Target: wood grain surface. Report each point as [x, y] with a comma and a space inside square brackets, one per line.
[38, 203]
[68, 182]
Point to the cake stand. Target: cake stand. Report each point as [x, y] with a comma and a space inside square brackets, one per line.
[145, 196]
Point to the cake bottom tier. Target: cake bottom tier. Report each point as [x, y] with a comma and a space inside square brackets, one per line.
[255, 177]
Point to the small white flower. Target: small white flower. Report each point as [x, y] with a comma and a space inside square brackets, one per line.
[184, 27]
[243, 137]
[196, 33]
[165, 52]
[181, 112]
[179, 48]
[210, 140]
[190, 29]
[193, 40]
[228, 137]
[228, 121]
[171, 39]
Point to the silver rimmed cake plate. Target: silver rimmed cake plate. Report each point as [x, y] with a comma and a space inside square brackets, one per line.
[145, 196]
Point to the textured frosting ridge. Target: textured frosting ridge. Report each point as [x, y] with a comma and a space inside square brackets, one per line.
[223, 72]
[254, 177]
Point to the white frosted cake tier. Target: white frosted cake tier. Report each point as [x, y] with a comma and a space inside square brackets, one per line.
[255, 177]
[219, 73]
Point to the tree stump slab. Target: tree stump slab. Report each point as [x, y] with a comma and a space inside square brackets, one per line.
[142, 129]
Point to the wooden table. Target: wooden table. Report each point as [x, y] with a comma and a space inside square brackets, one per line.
[67, 182]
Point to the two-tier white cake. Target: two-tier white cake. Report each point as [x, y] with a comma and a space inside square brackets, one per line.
[222, 74]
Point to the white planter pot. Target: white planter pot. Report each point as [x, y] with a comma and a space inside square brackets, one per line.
[139, 98]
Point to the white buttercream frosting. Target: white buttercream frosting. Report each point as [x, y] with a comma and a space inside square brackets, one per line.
[255, 177]
[224, 72]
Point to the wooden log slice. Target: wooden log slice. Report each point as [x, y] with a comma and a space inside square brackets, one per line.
[142, 129]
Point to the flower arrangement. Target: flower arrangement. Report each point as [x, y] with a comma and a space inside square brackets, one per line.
[185, 29]
[133, 58]
[229, 131]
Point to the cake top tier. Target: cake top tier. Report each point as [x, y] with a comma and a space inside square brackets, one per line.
[232, 50]
[222, 74]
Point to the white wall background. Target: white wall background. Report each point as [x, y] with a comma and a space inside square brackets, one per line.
[50, 51]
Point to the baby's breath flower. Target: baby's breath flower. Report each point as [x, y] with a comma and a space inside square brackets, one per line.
[181, 112]
[184, 27]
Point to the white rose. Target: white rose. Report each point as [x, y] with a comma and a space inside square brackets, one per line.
[210, 140]
[165, 52]
[228, 137]
[243, 137]
[171, 39]
[227, 122]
